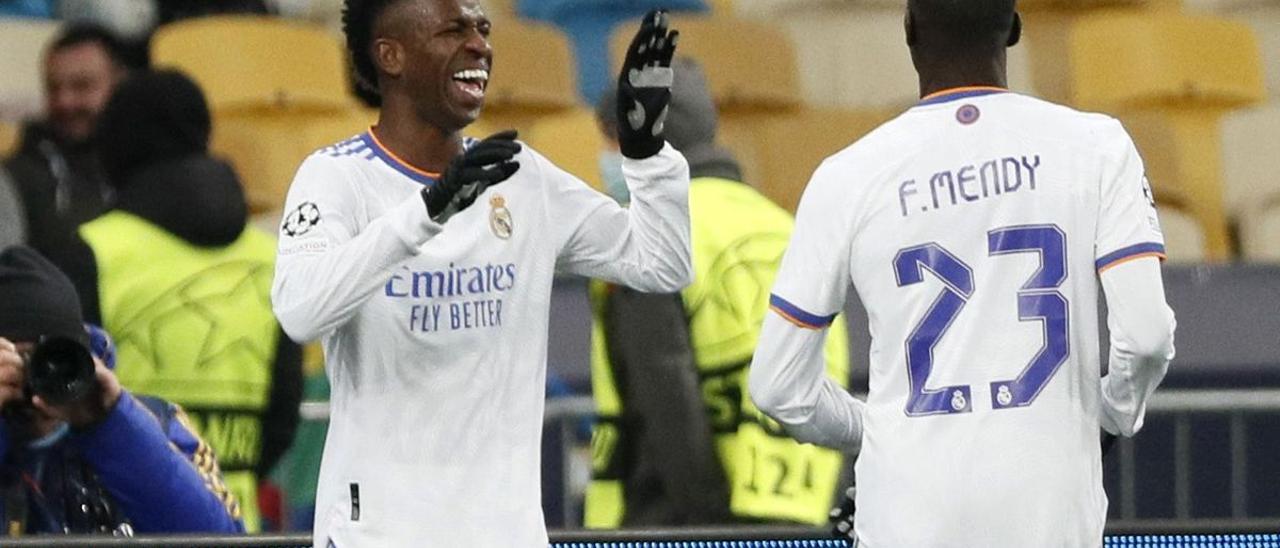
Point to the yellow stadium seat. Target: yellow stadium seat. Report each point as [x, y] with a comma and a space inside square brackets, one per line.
[257, 62]
[532, 74]
[1170, 77]
[723, 7]
[266, 147]
[1263, 16]
[751, 65]
[779, 152]
[9, 135]
[22, 42]
[1165, 59]
[1047, 27]
[1028, 6]
[571, 140]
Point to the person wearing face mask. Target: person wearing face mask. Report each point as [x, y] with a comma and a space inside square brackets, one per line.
[678, 441]
[79, 453]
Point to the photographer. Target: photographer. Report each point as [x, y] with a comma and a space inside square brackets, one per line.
[79, 454]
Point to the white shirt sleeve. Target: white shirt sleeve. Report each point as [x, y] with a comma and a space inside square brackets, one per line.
[328, 262]
[788, 380]
[1142, 327]
[645, 246]
[1128, 248]
[1127, 224]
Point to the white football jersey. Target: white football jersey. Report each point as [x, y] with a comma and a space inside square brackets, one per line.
[973, 227]
[435, 336]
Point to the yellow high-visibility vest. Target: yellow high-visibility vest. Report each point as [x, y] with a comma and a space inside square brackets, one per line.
[738, 238]
[193, 325]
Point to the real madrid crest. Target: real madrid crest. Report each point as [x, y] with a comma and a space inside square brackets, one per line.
[499, 217]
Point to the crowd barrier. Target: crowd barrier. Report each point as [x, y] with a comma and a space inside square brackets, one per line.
[1175, 534]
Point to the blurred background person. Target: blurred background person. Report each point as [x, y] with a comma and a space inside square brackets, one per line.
[182, 282]
[55, 168]
[13, 221]
[97, 459]
[678, 442]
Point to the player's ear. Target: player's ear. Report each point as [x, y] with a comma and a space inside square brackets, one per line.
[389, 55]
[1015, 33]
[909, 24]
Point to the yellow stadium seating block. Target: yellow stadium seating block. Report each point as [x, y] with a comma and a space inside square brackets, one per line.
[751, 66]
[252, 62]
[266, 147]
[532, 72]
[779, 152]
[572, 140]
[1170, 77]
[1164, 59]
[723, 7]
[1080, 6]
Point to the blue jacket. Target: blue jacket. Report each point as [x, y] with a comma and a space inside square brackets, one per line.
[142, 468]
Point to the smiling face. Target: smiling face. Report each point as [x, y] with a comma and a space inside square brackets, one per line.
[437, 53]
[78, 80]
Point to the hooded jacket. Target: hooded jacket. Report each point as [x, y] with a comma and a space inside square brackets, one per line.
[153, 137]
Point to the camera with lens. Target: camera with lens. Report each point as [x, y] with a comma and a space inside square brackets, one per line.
[60, 370]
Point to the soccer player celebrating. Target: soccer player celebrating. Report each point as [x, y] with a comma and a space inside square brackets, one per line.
[976, 228]
[423, 261]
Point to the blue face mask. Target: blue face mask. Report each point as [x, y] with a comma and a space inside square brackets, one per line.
[615, 185]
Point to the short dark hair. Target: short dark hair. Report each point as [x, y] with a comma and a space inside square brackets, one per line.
[358, 20]
[963, 22]
[77, 34]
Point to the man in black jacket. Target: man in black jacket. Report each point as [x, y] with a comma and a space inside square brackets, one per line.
[55, 168]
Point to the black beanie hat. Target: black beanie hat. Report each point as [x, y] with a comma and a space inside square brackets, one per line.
[37, 299]
[152, 116]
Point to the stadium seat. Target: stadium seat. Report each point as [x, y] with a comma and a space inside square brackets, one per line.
[1263, 16]
[9, 135]
[269, 110]
[572, 140]
[250, 62]
[589, 24]
[1251, 170]
[532, 74]
[266, 147]
[851, 53]
[779, 152]
[1170, 77]
[23, 42]
[767, 82]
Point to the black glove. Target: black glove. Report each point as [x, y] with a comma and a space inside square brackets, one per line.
[644, 87]
[841, 518]
[485, 164]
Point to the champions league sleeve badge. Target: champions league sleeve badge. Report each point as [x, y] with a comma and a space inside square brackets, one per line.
[301, 220]
[499, 217]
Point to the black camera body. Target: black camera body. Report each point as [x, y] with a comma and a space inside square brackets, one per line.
[60, 370]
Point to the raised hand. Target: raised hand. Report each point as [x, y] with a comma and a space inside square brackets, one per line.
[644, 87]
